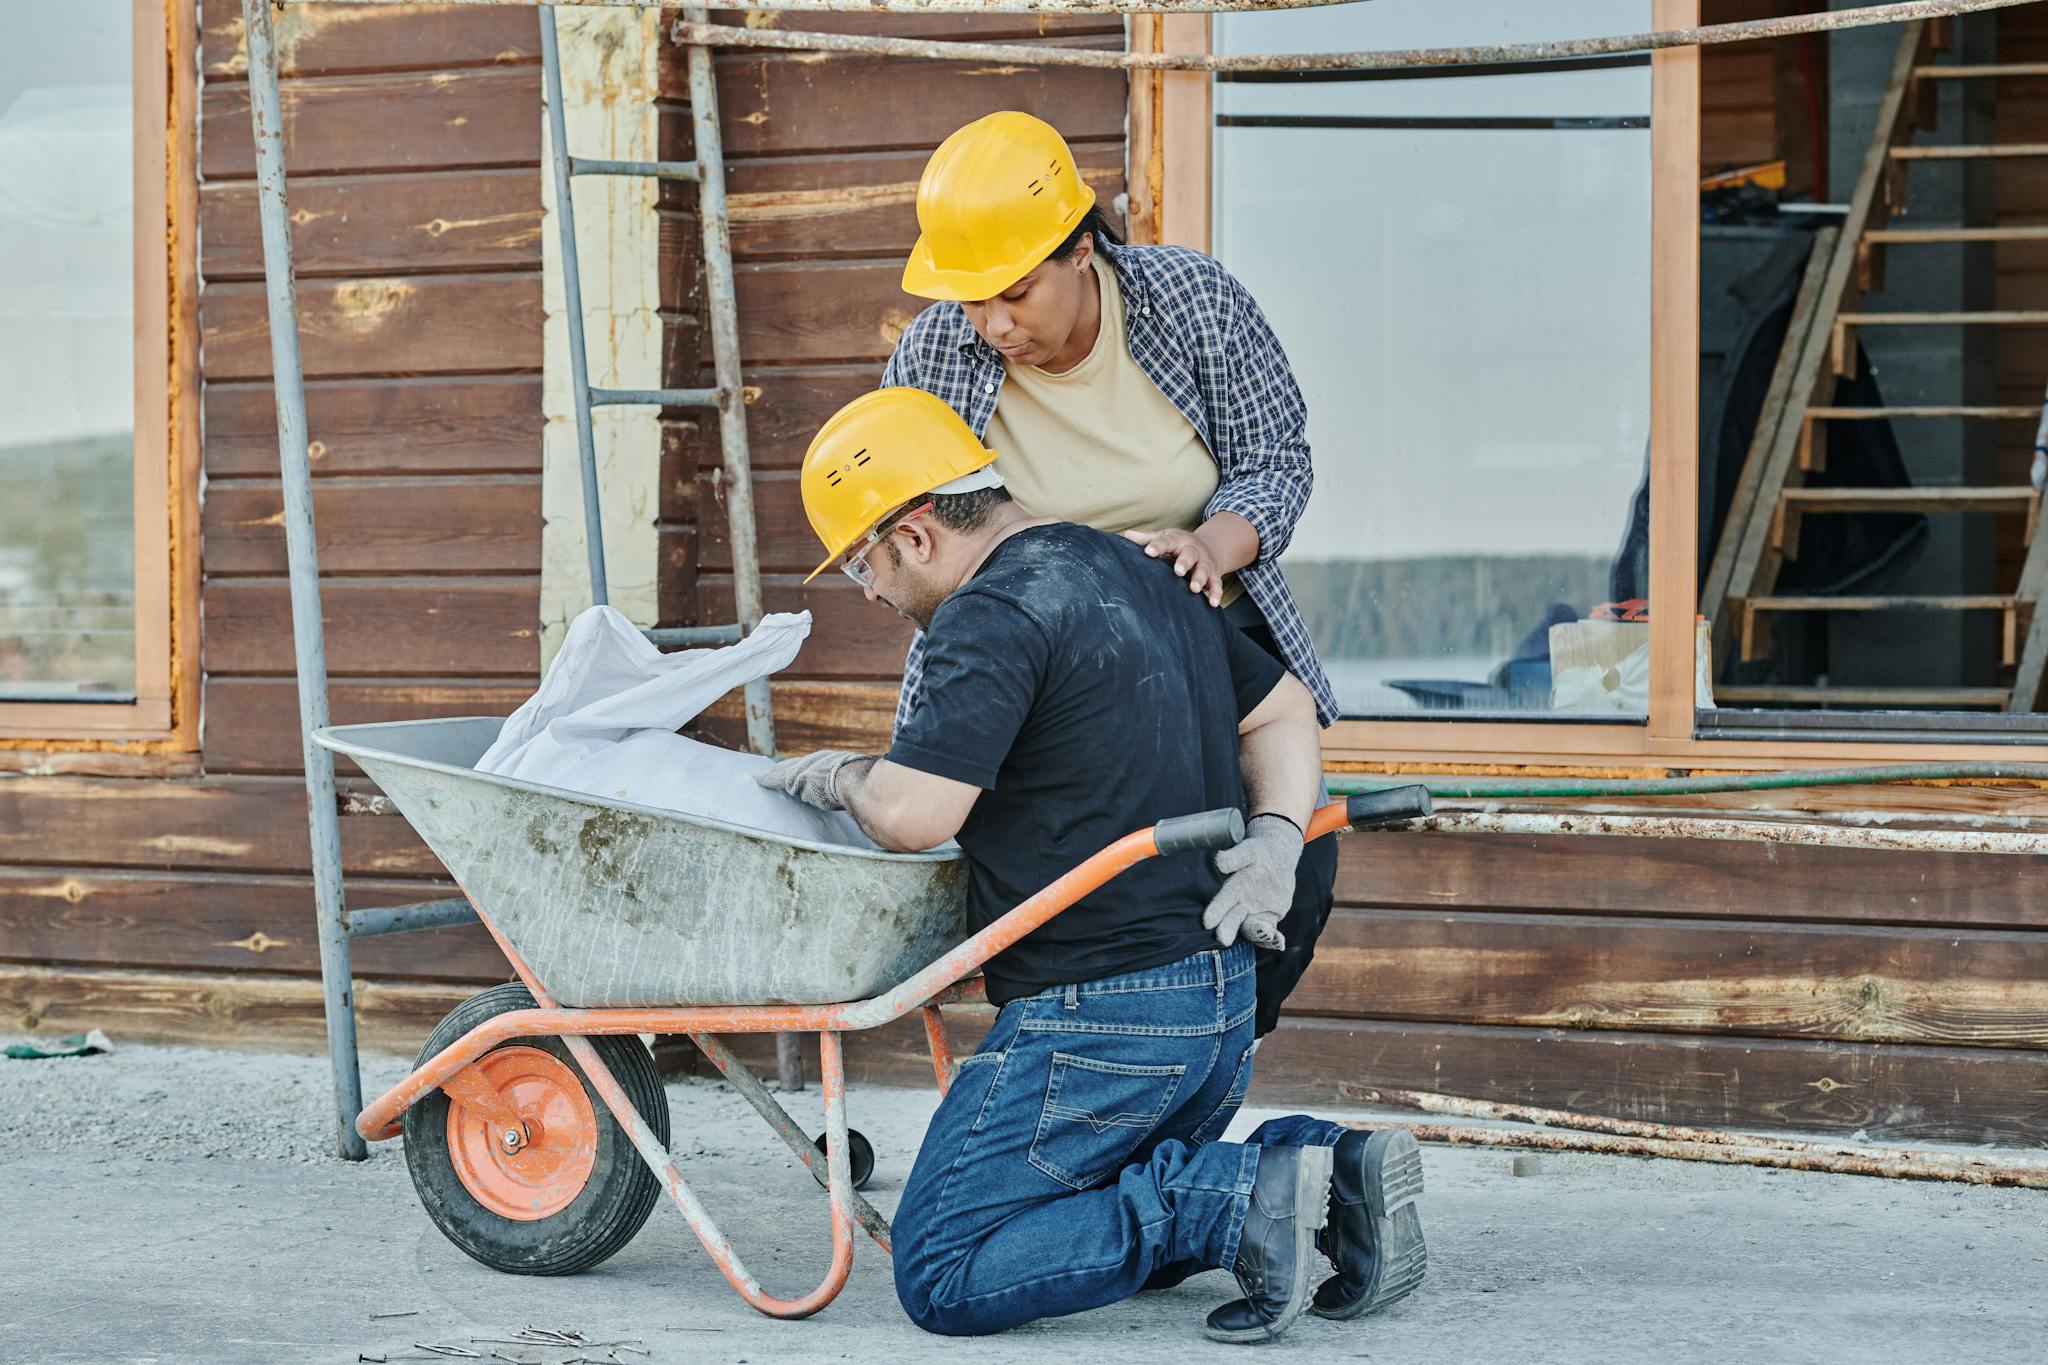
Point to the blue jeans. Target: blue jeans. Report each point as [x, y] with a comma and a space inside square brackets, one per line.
[1075, 1156]
[1289, 1130]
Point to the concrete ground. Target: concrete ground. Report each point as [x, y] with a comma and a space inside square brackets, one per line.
[175, 1204]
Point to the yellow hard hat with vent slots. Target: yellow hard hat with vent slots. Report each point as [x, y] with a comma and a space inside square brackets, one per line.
[878, 453]
[994, 201]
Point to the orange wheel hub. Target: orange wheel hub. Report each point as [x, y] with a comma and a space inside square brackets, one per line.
[537, 1168]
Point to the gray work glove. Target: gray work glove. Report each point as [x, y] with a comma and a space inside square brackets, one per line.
[1258, 884]
[812, 779]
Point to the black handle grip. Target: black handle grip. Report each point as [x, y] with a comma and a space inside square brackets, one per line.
[1207, 829]
[1388, 807]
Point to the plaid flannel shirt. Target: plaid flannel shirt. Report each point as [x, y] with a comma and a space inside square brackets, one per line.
[1201, 337]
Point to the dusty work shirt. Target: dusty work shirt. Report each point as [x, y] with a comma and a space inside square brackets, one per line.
[1088, 694]
[1200, 335]
[1099, 444]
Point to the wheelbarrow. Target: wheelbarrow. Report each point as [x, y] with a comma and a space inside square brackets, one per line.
[536, 1128]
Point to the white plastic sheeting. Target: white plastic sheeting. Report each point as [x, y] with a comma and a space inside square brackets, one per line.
[604, 722]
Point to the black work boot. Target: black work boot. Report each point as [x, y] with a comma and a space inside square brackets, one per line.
[1375, 1234]
[1290, 1201]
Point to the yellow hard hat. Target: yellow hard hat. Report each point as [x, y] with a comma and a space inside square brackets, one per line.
[994, 201]
[876, 454]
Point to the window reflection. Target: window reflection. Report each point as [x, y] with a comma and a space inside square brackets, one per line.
[67, 381]
[1459, 267]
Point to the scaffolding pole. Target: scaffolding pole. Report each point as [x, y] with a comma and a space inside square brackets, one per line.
[309, 639]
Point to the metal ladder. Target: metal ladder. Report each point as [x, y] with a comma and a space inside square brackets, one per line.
[337, 925]
[727, 398]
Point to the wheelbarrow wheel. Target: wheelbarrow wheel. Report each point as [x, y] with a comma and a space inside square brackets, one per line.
[565, 1192]
[860, 1155]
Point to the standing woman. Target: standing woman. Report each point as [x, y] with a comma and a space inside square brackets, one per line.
[1134, 389]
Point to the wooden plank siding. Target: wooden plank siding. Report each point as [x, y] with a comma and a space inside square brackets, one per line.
[1681, 981]
[413, 143]
[413, 139]
[467, 425]
[229, 826]
[1887, 1094]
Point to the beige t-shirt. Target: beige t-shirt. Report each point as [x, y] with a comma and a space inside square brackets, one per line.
[1100, 444]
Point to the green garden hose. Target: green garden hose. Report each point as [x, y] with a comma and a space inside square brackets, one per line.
[1455, 787]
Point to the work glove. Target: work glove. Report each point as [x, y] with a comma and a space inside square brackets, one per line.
[1258, 883]
[812, 779]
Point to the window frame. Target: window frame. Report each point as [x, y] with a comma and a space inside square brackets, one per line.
[1173, 168]
[164, 715]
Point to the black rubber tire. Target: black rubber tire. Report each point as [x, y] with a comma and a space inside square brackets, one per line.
[613, 1205]
[860, 1156]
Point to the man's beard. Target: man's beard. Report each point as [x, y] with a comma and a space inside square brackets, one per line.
[914, 601]
[910, 612]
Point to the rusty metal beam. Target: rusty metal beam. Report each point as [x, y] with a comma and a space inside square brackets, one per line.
[1892, 1168]
[1748, 831]
[1393, 59]
[1458, 1107]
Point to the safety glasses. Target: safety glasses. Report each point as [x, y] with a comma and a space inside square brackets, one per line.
[855, 565]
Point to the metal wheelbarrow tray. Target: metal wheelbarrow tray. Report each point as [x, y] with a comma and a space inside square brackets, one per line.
[520, 1114]
[614, 904]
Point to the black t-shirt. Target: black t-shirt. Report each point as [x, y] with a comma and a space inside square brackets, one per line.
[1088, 693]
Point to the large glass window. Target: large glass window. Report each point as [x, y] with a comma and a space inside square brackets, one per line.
[67, 352]
[1459, 265]
[1873, 242]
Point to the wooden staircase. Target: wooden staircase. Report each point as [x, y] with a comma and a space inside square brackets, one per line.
[1771, 501]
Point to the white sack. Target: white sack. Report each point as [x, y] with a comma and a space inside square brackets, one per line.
[1619, 689]
[604, 722]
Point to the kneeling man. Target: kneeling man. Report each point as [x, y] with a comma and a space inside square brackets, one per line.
[1074, 691]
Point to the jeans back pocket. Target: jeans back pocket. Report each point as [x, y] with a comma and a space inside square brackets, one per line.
[1096, 1113]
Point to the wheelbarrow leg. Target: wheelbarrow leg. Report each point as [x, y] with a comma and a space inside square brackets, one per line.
[839, 1181]
[765, 1104]
[943, 1065]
